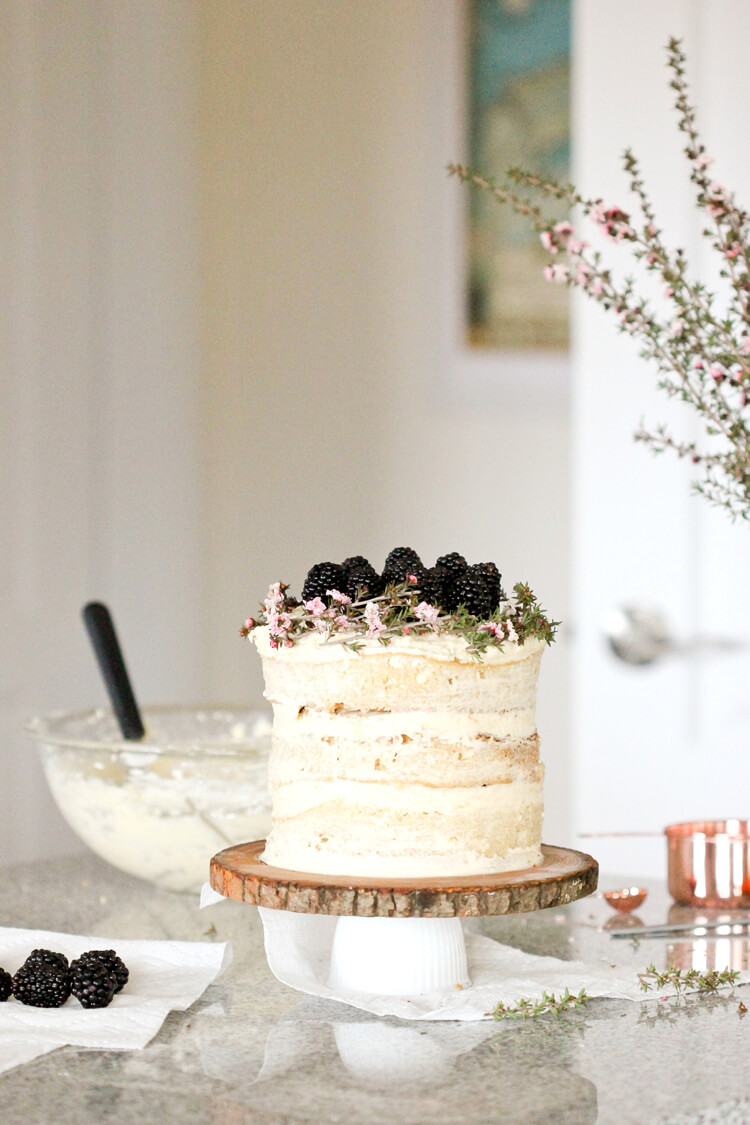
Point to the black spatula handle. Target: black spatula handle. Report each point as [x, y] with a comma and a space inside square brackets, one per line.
[101, 630]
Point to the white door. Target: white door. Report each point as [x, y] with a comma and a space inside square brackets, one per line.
[670, 740]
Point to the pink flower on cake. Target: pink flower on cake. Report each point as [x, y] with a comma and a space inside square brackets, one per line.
[316, 606]
[427, 613]
[510, 632]
[278, 624]
[372, 616]
[342, 599]
[274, 599]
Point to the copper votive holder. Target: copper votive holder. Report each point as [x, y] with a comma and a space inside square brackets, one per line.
[708, 863]
[625, 900]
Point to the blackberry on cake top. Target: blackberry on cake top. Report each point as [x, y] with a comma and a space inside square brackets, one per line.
[401, 562]
[362, 579]
[321, 578]
[473, 592]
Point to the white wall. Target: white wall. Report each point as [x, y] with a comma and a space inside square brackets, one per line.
[101, 488]
[183, 429]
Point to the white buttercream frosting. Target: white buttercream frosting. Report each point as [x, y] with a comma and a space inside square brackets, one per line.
[433, 646]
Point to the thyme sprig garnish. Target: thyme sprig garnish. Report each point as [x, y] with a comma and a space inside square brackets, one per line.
[687, 980]
[548, 1005]
[399, 612]
[681, 980]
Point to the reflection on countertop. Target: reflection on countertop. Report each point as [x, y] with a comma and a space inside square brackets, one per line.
[254, 1050]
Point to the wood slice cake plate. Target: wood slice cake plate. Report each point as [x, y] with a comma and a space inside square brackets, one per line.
[564, 875]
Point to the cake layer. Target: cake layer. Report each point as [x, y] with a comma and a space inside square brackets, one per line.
[394, 830]
[363, 753]
[292, 721]
[385, 681]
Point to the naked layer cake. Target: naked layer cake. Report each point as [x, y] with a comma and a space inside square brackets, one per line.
[404, 735]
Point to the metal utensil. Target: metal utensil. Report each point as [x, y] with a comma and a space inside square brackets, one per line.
[683, 928]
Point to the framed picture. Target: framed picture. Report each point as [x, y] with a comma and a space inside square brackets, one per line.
[513, 68]
[518, 116]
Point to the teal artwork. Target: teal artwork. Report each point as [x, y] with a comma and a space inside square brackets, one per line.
[519, 115]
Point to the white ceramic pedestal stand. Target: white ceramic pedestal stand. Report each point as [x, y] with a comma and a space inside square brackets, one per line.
[398, 956]
[400, 937]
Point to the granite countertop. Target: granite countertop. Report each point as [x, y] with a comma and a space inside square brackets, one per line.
[253, 1050]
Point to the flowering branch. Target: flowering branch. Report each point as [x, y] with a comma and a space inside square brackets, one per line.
[701, 347]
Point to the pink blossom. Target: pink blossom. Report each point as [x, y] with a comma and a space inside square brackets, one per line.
[745, 345]
[703, 161]
[564, 229]
[341, 621]
[406, 630]
[427, 613]
[510, 632]
[676, 328]
[597, 287]
[494, 627]
[274, 598]
[316, 607]
[669, 291]
[343, 599]
[733, 253]
[614, 221]
[698, 364]
[717, 372]
[278, 624]
[652, 230]
[372, 616]
[576, 246]
[556, 273]
[547, 241]
[249, 624]
[583, 272]
[412, 578]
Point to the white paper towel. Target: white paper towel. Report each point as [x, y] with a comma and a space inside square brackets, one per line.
[298, 948]
[164, 976]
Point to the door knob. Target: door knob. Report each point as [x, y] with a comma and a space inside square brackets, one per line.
[640, 634]
[637, 634]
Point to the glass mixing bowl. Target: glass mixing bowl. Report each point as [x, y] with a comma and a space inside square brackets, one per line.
[162, 807]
